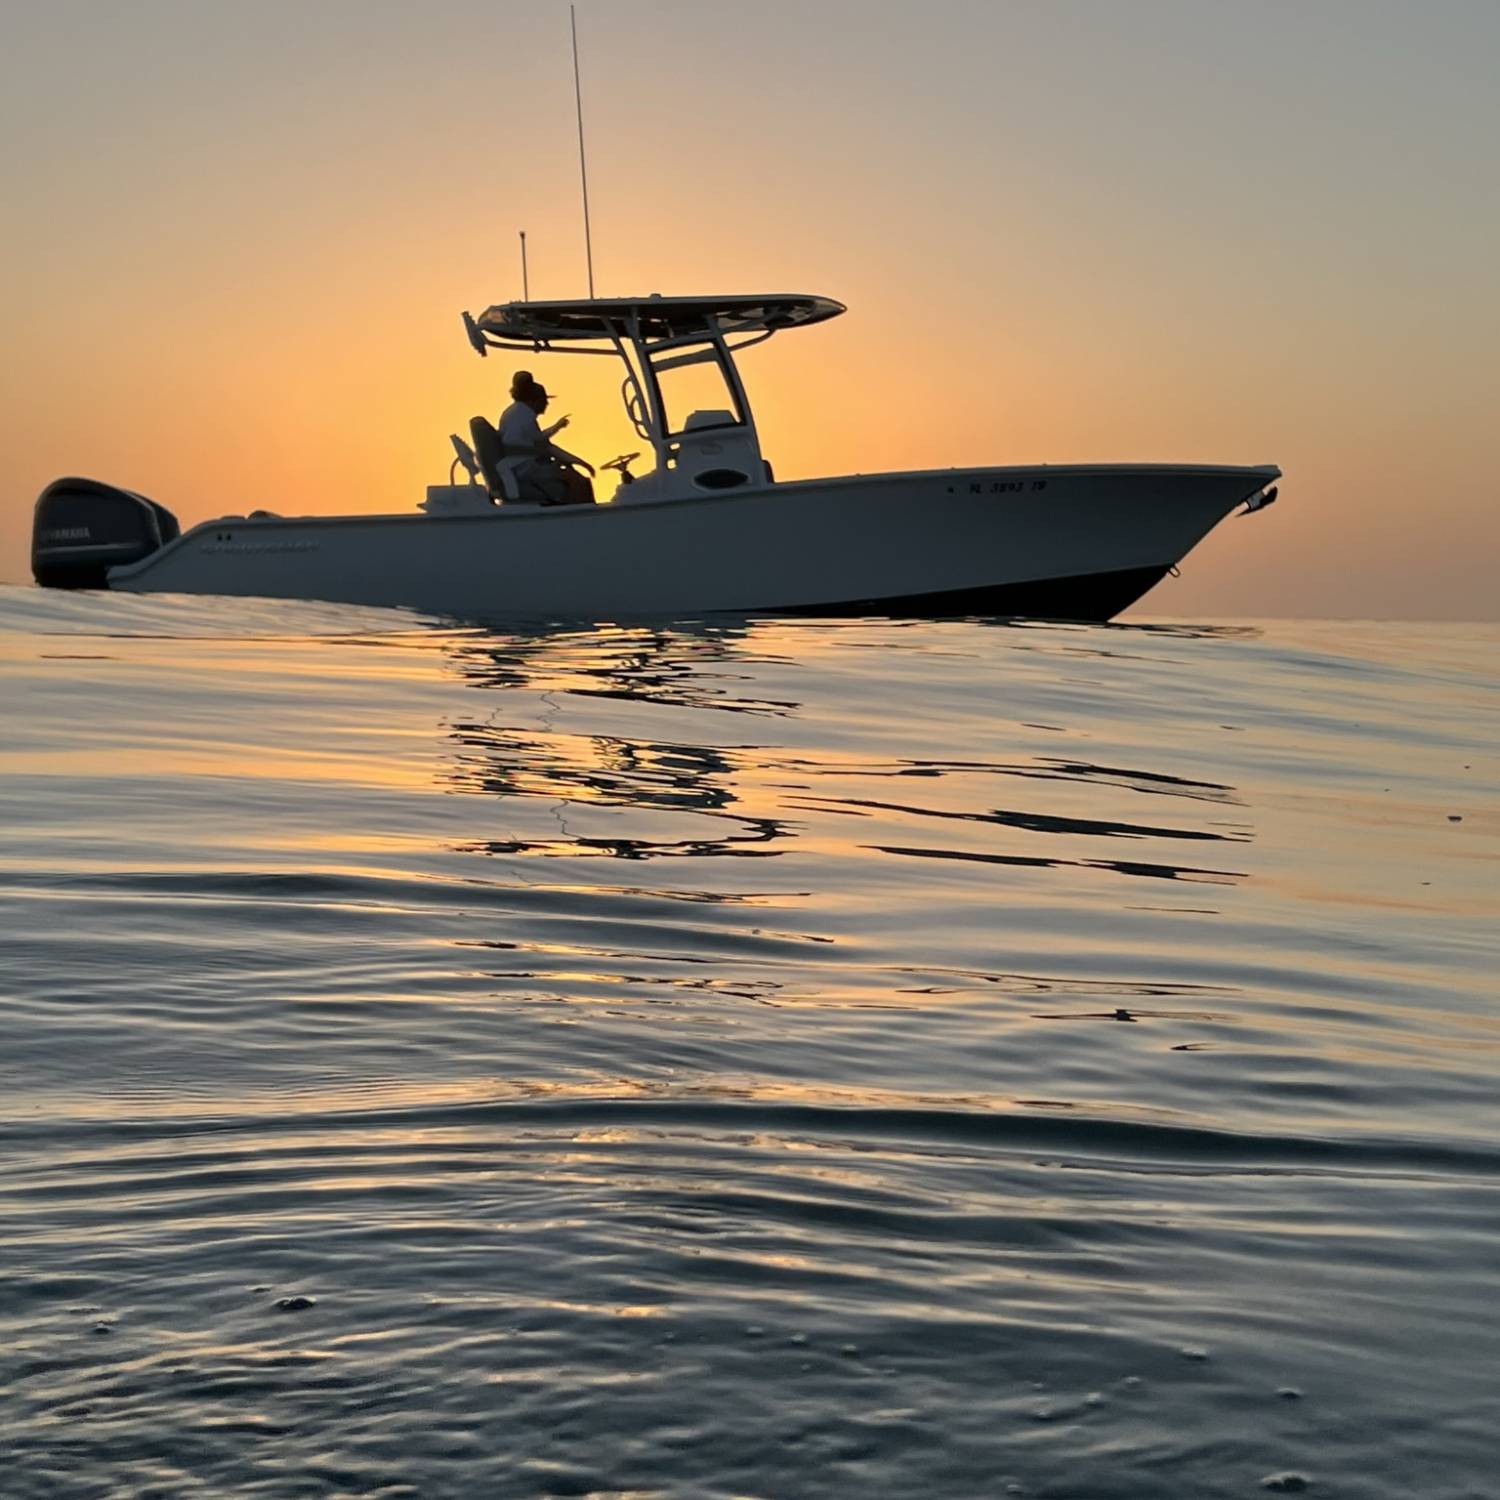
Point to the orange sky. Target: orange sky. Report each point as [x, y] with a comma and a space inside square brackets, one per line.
[241, 244]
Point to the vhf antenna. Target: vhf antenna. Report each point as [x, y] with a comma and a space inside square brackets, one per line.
[583, 170]
[525, 282]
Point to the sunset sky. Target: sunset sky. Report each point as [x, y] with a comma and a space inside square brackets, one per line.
[239, 238]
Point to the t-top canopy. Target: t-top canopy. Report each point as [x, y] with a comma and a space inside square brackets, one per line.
[649, 317]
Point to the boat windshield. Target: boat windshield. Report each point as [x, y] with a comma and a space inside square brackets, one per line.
[694, 384]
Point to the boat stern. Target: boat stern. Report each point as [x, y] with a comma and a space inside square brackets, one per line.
[82, 528]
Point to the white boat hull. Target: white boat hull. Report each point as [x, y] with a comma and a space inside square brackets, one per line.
[1078, 542]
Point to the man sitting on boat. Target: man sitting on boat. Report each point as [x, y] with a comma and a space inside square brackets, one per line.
[550, 475]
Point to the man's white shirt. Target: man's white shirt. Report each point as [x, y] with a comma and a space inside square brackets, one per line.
[519, 428]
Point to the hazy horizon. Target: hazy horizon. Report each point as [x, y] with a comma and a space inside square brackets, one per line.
[1065, 234]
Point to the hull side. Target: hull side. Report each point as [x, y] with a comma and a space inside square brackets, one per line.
[1089, 597]
[985, 539]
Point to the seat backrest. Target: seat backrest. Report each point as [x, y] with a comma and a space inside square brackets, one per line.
[498, 471]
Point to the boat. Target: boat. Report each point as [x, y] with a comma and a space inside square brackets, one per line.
[707, 529]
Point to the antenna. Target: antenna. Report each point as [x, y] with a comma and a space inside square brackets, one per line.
[583, 170]
[525, 283]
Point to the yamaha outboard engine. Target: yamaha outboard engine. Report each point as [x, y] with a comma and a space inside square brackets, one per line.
[83, 528]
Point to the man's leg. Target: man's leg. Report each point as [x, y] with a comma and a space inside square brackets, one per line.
[545, 482]
[580, 488]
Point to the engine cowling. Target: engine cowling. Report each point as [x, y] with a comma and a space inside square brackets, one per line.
[82, 528]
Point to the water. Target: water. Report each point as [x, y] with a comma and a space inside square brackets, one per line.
[745, 1059]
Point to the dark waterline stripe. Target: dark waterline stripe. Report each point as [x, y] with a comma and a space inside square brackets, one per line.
[1083, 1136]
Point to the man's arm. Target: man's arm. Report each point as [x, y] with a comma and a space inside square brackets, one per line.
[563, 456]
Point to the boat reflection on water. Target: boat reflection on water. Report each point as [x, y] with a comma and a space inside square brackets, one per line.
[605, 769]
[613, 742]
[692, 664]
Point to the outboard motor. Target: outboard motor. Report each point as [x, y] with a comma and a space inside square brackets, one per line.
[83, 528]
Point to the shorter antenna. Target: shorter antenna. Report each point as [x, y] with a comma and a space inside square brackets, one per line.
[583, 170]
[525, 282]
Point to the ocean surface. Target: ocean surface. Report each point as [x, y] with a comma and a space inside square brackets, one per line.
[745, 1059]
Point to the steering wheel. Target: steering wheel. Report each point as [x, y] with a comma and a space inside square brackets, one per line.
[622, 463]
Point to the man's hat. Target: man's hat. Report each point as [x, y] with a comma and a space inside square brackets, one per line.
[524, 387]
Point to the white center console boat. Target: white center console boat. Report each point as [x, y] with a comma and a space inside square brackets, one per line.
[708, 529]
